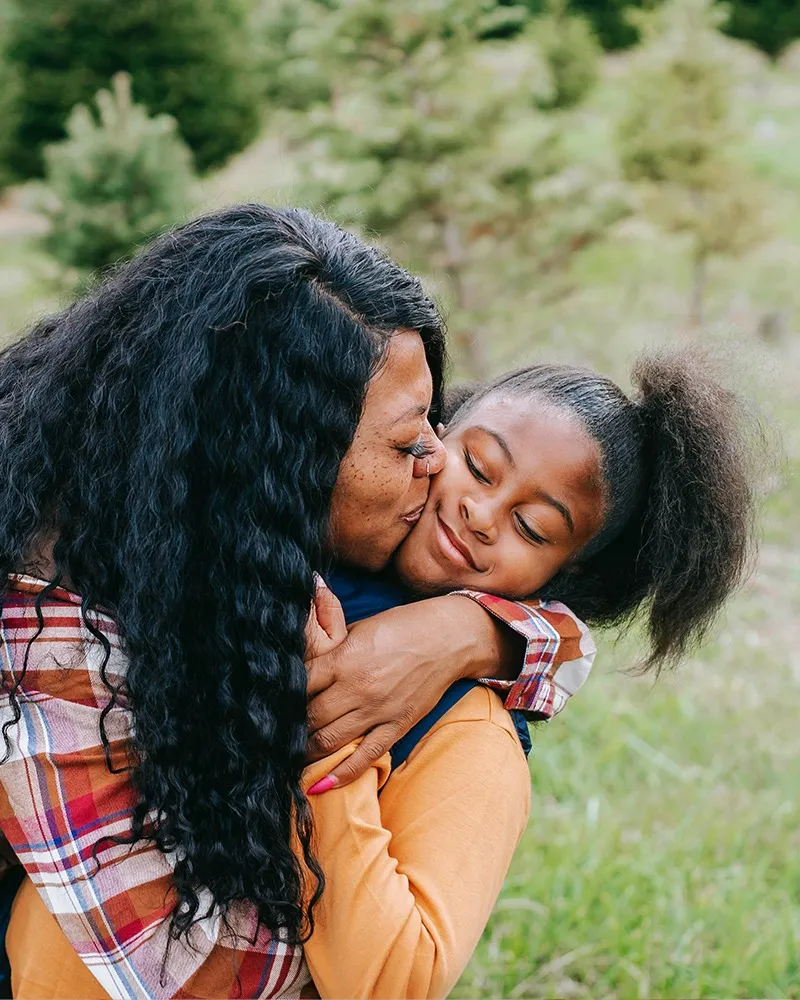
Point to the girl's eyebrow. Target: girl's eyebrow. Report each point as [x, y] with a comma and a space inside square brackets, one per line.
[562, 509]
[500, 440]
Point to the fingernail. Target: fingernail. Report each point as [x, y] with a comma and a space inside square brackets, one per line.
[320, 582]
[323, 785]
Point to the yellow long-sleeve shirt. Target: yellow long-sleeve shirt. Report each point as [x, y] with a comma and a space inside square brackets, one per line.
[412, 874]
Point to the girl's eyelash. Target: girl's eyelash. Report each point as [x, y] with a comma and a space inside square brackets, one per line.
[528, 531]
[417, 450]
[474, 469]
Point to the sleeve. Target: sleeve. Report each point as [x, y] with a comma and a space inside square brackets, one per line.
[59, 804]
[412, 875]
[559, 652]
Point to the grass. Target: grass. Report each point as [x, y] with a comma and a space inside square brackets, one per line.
[662, 857]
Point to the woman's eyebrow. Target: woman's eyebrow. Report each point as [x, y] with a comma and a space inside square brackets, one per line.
[501, 441]
[415, 411]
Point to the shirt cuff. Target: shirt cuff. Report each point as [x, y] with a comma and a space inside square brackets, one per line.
[559, 652]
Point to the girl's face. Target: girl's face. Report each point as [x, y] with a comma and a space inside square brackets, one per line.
[383, 480]
[520, 495]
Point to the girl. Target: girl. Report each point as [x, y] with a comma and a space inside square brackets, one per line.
[556, 484]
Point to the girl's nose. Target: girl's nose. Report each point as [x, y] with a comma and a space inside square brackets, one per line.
[479, 520]
[433, 463]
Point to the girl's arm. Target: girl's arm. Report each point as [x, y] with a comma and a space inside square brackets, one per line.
[412, 875]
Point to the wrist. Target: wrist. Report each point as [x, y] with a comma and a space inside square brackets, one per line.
[482, 646]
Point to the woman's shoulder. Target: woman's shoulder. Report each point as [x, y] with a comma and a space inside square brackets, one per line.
[56, 648]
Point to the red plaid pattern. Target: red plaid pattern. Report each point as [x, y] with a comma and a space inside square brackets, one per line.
[58, 800]
[559, 652]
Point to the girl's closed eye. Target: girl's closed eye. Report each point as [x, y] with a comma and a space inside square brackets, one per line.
[474, 469]
[527, 531]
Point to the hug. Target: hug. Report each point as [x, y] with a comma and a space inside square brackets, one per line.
[232, 478]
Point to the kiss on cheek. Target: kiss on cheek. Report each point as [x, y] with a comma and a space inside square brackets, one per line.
[520, 495]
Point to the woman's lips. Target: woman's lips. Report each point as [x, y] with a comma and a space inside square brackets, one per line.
[452, 547]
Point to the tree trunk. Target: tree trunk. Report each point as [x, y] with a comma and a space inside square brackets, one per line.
[467, 337]
[697, 303]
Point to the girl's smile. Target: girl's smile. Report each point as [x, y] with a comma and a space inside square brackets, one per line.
[520, 495]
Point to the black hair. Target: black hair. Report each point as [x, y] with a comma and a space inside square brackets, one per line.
[178, 432]
[679, 499]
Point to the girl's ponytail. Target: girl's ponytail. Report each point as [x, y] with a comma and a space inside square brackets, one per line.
[679, 497]
[677, 465]
[697, 509]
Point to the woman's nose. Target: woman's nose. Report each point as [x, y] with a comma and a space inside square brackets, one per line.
[433, 463]
[479, 520]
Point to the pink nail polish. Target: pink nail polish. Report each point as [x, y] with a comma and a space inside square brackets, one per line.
[323, 785]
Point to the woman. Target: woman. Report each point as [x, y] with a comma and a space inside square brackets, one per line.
[172, 449]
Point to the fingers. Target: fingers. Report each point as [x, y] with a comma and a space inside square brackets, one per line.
[333, 737]
[329, 611]
[374, 745]
[321, 673]
[333, 704]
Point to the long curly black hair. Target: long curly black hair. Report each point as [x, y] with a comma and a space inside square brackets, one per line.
[178, 432]
[679, 462]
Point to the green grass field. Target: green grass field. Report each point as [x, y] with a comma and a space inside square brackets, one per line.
[662, 857]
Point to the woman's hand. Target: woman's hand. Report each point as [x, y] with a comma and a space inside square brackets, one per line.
[393, 668]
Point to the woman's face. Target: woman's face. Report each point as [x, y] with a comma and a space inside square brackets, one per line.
[519, 497]
[383, 480]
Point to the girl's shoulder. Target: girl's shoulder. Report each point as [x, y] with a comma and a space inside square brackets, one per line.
[479, 706]
[470, 714]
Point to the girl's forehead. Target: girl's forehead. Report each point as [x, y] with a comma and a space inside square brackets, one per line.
[542, 442]
[527, 417]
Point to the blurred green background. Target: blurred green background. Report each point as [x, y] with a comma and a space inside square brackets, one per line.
[574, 181]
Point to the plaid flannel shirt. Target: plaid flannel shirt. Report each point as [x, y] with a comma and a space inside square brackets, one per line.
[559, 653]
[58, 800]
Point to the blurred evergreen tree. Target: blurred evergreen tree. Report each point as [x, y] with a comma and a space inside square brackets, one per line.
[607, 17]
[10, 89]
[114, 182]
[769, 24]
[191, 59]
[676, 137]
[572, 52]
[290, 77]
[433, 139]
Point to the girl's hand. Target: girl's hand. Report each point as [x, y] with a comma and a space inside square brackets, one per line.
[326, 628]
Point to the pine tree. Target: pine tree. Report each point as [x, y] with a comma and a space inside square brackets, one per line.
[433, 140]
[769, 24]
[676, 138]
[571, 51]
[115, 181]
[9, 95]
[190, 59]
